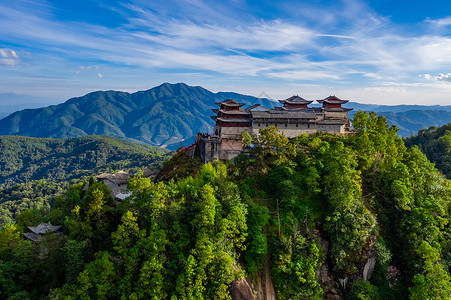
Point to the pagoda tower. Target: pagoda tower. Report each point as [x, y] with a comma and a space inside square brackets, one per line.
[295, 102]
[333, 112]
[333, 103]
[230, 119]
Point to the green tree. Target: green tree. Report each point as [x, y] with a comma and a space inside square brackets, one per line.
[435, 282]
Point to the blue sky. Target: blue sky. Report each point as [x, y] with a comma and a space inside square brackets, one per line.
[385, 52]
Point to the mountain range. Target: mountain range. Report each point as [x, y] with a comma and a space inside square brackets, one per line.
[170, 114]
[161, 116]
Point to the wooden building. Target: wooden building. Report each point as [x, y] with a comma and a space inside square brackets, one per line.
[293, 118]
[38, 232]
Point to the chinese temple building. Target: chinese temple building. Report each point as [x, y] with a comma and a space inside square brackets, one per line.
[38, 232]
[293, 118]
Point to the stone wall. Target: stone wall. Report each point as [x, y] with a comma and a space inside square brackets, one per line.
[233, 132]
[229, 144]
[342, 115]
[208, 149]
[293, 130]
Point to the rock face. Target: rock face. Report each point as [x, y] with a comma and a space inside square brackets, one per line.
[241, 290]
[325, 277]
[365, 270]
[263, 285]
[262, 288]
[369, 268]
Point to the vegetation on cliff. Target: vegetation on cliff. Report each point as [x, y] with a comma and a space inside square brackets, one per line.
[367, 196]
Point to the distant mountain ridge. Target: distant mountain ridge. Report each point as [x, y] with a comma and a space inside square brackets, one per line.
[9, 103]
[161, 116]
[171, 113]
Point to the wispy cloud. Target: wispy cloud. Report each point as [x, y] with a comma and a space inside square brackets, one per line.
[440, 22]
[301, 42]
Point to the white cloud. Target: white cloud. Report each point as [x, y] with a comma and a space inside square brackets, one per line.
[440, 22]
[440, 77]
[444, 77]
[100, 75]
[8, 57]
[426, 76]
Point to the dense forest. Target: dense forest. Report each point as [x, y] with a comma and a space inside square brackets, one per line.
[34, 171]
[36, 195]
[319, 216]
[435, 142]
[23, 158]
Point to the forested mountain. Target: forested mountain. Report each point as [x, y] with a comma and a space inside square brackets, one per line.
[408, 118]
[435, 142]
[23, 158]
[35, 196]
[164, 115]
[34, 171]
[318, 217]
[410, 122]
[170, 113]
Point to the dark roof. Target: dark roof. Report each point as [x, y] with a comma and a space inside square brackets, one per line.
[337, 109]
[283, 114]
[333, 100]
[43, 228]
[301, 109]
[257, 107]
[234, 120]
[234, 112]
[295, 100]
[214, 118]
[252, 107]
[32, 236]
[215, 110]
[230, 102]
[118, 178]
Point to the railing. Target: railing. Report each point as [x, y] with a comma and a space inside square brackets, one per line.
[184, 149]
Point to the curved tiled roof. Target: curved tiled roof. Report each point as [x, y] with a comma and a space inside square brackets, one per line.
[230, 103]
[295, 100]
[332, 100]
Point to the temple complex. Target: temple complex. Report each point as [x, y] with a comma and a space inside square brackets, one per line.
[293, 118]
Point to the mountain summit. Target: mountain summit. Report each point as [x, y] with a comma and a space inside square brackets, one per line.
[161, 116]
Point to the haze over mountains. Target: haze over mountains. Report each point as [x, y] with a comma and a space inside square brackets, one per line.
[10, 103]
[170, 113]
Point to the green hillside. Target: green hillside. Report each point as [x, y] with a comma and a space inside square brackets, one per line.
[435, 142]
[410, 122]
[318, 217]
[36, 196]
[23, 159]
